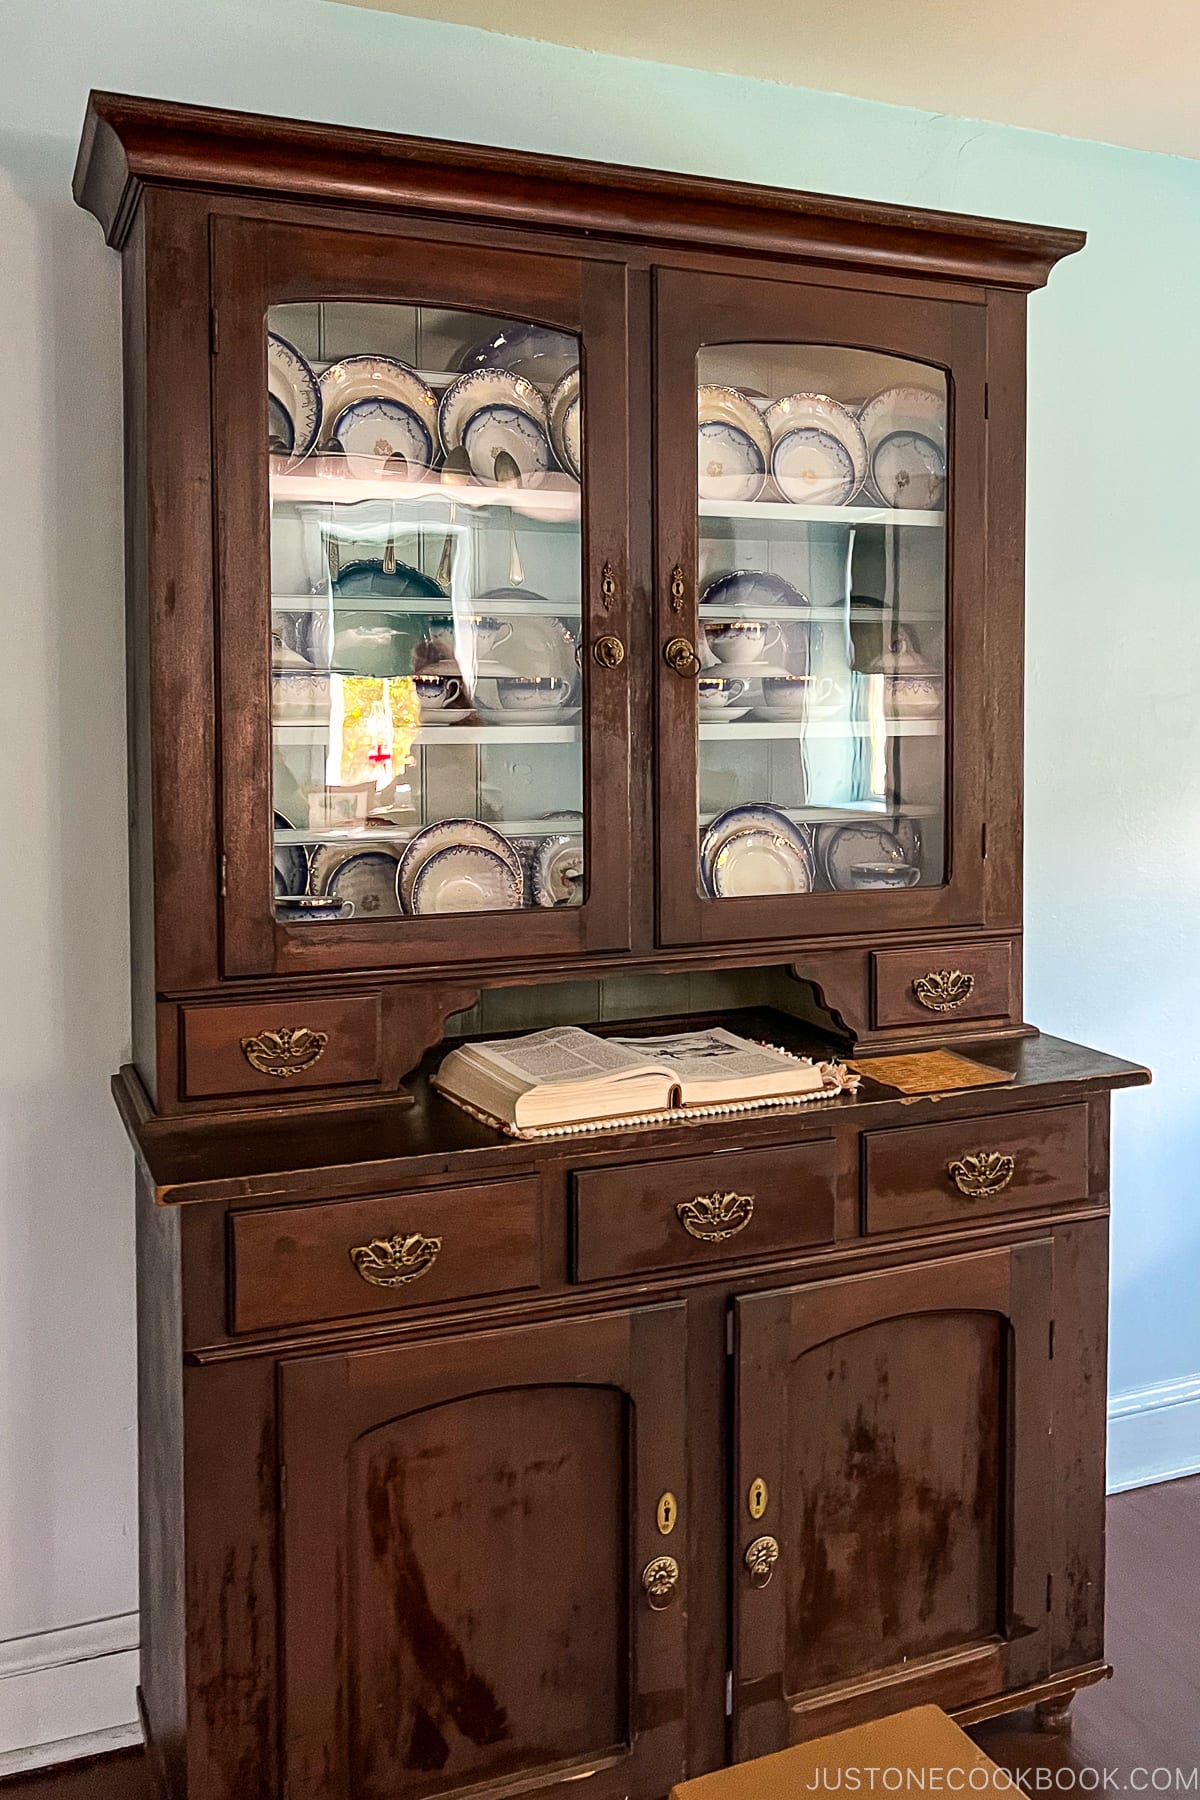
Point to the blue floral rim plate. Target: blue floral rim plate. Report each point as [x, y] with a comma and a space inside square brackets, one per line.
[753, 817]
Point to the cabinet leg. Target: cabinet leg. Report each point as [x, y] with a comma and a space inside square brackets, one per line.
[1054, 1715]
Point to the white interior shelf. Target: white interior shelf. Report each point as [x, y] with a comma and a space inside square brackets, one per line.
[418, 606]
[326, 481]
[786, 512]
[819, 728]
[287, 732]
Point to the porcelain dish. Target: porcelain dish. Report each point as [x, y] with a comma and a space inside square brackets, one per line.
[565, 413]
[293, 386]
[759, 862]
[556, 872]
[842, 848]
[733, 445]
[753, 591]
[909, 469]
[376, 407]
[908, 408]
[291, 861]
[450, 834]
[737, 821]
[538, 352]
[367, 878]
[807, 467]
[465, 878]
[515, 419]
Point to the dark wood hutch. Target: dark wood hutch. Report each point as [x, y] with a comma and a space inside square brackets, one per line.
[594, 1497]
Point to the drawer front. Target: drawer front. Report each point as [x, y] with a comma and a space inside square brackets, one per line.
[300, 1265]
[700, 1210]
[276, 1047]
[943, 985]
[1005, 1162]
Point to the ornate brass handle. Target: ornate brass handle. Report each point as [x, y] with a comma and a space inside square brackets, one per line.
[714, 1217]
[394, 1262]
[608, 651]
[660, 1579]
[680, 655]
[943, 990]
[760, 1560]
[288, 1051]
[986, 1172]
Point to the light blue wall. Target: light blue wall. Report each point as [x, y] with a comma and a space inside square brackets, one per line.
[1114, 641]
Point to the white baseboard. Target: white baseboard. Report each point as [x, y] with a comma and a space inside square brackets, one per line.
[68, 1693]
[1154, 1434]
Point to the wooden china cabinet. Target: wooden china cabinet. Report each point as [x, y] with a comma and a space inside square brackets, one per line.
[569, 593]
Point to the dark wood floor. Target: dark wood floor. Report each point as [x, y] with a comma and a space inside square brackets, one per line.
[1147, 1717]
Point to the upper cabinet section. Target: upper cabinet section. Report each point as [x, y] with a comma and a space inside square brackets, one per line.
[632, 555]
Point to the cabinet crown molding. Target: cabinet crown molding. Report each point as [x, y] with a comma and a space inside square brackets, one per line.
[129, 143]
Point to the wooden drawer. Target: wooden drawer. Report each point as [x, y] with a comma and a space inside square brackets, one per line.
[946, 984]
[1005, 1162]
[299, 1265]
[700, 1209]
[276, 1047]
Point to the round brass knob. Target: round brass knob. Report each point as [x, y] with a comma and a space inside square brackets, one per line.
[609, 652]
[760, 1560]
[660, 1579]
[680, 655]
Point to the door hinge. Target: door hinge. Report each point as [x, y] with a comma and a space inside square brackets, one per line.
[983, 841]
[212, 331]
[224, 876]
[985, 400]
[283, 1487]
[1049, 1593]
[1052, 1340]
[729, 1334]
[729, 1693]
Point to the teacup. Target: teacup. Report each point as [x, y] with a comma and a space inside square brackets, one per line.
[740, 641]
[489, 634]
[532, 693]
[790, 696]
[717, 691]
[884, 875]
[437, 691]
[916, 696]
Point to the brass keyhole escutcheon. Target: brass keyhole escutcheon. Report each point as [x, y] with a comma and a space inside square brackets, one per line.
[678, 589]
[756, 1499]
[608, 586]
[760, 1560]
[660, 1579]
[668, 1513]
[680, 655]
[609, 652]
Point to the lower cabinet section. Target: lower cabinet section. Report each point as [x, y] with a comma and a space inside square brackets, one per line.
[892, 1477]
[476, 1589]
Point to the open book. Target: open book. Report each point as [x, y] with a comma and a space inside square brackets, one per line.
[566, 1075]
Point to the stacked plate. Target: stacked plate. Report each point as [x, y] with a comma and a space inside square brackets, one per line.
[818, 450]
[293, 400]
[905, 432]
[733, 445]
[756, 850]
[459, 866]
[381, 414]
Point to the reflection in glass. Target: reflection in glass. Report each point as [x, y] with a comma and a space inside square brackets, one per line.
[822, 488]
[426, 683]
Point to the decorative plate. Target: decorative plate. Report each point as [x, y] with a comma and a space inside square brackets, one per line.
[280, 430]
[733, 445]
[294, 387]
[450, 834]
[790, 461]
[556, 872]
[566, 424]
[401, 583]
[908, 408]
[842, 847]
[466, 878]
[537, 352]
[291, 861]
[540, 644]
[909, 469]
[755, 817]
[368, 879]
[310, 908]
[759, 862]
[496, 431]
[356, 380]
[374, 432]
[813, 467]
[752, 591]
[482, 388]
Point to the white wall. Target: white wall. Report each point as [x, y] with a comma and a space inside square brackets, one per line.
[1114, 671]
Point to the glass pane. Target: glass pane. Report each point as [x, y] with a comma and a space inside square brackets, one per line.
[425, 612]
[822, 492]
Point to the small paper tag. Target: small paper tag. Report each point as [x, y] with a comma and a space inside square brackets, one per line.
[927, 1072]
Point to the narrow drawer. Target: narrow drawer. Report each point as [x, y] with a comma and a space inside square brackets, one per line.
[974, 1168]
[276, 1047]
[299, 1265]
[700, 1209]
[945, 984]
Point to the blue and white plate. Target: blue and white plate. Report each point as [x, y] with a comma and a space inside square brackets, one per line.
[738, 820]
[450, 834]
[310, 909]
[367, 878]
[466, 878]
[759, 862]
[280, 430]
[819, 452]
[495, 431]
[357, 380]
[556, 872]
[481, 388]
[538, 352]
[844, 847]
[909, 469]
[291, 861]
[752, 591]
[373, 432]
[566, 424]
[733, 445]
[293, 386]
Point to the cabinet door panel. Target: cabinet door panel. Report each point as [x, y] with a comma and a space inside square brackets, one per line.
[907, 1473]
[466, 1529]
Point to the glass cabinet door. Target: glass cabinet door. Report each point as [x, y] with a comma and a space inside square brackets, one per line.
[423, 483]
[809, 627]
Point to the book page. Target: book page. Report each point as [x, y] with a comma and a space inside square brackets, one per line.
[564, 1053]
[715, 1055]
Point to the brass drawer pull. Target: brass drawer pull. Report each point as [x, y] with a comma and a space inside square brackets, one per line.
[608, 652]
[943, 990]
[985, 1172]
[660, 1579]
[394, 1262]
[760, 1560]
[288, 1051]
[680, 655]
[714, 1217]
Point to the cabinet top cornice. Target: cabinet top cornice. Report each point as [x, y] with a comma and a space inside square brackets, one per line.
[129, 143]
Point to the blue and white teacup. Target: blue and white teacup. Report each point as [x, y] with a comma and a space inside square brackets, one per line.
[717, 691]
[532, 693]
[434, 692]
[741, 641]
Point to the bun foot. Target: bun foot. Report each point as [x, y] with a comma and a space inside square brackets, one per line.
[1054, 1715]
